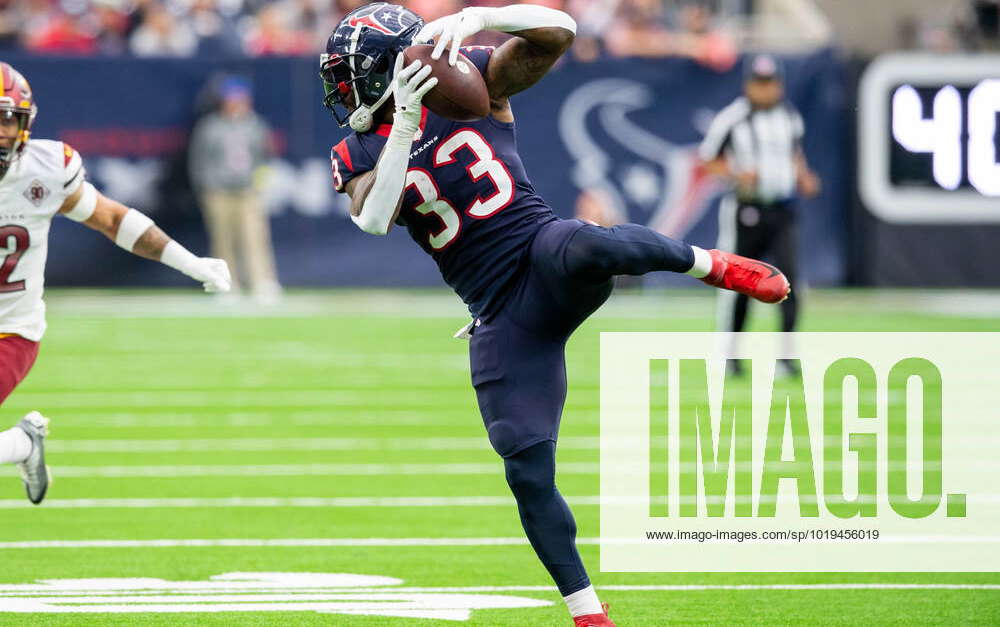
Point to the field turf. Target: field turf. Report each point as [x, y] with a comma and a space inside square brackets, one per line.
[341, 425]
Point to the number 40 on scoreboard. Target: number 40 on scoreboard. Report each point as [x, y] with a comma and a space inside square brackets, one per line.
[942, 133]
[928, 140]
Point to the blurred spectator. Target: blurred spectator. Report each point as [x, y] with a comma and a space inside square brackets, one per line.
[643, 30]
[229, 150]
[35, 15]
[303, 15]
[216, 33]
[431, 10]
[161, 35]
[273, 34]
[110, 22]
[639, 30]
[11, 20]
[137, 10]
[593, 18]
[700, 40]
[54, 30]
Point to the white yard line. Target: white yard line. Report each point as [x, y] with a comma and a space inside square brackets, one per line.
[375, 502]
[292, 444]
[374, 542]
[327, 418]
[402, 443]
[293, 470]
[181, 591]
[273, 502]
[278, 399]
[266, 542]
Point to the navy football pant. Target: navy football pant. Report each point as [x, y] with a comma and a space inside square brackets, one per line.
[519, 368]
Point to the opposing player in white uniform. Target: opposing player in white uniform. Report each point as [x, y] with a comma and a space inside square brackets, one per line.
[38, 180]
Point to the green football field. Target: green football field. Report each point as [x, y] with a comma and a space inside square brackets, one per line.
[207, 454]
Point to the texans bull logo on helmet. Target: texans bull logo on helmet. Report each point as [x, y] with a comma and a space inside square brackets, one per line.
[371, 21]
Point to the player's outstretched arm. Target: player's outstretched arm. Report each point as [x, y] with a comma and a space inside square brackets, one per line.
[542, 36]
[137, 234]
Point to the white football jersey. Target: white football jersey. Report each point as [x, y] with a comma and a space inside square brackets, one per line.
[31, 193]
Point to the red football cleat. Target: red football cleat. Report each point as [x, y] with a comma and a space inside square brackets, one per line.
[747, 276]
[594, 620]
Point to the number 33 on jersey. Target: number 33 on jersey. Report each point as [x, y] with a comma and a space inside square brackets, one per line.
[467, 201]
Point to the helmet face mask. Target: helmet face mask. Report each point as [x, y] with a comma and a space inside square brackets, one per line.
[348, 89]
[357, 67]
[21, 119]
[18, 104]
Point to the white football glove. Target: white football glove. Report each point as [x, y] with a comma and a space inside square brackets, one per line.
[409, 86]
[451, 30]
[212, 273]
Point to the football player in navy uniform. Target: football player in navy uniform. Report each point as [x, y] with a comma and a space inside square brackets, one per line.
[528, 277]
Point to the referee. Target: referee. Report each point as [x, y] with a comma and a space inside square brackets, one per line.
[756, 143]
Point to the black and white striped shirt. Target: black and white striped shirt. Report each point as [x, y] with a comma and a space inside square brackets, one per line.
[764, 141]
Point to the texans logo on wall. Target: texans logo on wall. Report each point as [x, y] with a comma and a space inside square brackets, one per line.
[636, 174]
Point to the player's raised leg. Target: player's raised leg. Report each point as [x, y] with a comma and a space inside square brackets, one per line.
[596, 253]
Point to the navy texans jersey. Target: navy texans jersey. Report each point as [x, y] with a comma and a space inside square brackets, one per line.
[467, 202]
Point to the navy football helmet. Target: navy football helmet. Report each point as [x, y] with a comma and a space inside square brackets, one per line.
[359, 59]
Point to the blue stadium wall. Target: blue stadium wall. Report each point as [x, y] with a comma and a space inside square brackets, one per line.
[622, 130]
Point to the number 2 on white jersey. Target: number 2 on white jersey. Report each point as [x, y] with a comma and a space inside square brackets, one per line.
[14, 240]
[486, 164]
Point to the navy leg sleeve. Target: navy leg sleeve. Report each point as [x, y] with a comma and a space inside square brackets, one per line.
[596, 254]
[545, 516]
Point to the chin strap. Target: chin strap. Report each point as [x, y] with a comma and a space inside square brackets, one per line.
[363, 117]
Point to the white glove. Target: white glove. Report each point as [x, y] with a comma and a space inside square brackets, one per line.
[451, 30]
[409, 86]
[212, 273]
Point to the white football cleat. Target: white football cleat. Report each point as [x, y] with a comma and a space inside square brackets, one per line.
[34, 472]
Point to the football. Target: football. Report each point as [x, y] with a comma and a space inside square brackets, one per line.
[461, 91]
